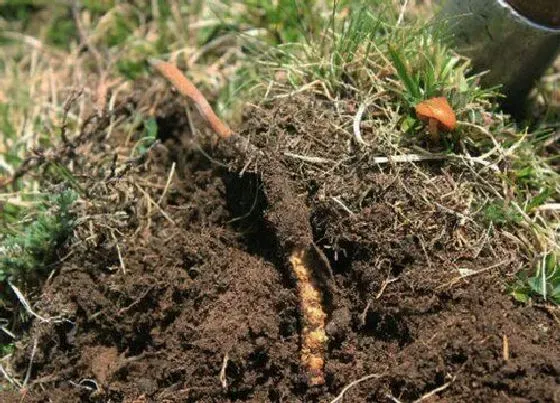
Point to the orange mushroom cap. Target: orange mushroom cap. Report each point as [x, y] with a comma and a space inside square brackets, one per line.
[438, 109]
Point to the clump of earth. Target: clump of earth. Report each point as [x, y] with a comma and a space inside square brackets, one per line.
[176, 286]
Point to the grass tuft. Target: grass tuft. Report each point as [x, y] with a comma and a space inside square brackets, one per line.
[32, 236]
[545, 283]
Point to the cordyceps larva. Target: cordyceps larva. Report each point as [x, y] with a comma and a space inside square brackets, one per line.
[302, 259]
[313, 337]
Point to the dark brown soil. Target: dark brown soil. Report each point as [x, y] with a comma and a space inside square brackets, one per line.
[201, 304]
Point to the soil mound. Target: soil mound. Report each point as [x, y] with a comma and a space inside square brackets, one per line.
[178, 287]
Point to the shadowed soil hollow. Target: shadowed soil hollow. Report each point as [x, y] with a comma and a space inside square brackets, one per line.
[178, 287]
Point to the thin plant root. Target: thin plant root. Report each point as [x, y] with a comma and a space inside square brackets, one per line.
[313, 324]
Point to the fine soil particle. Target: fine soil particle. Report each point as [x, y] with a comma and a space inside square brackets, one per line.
[179, 288]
